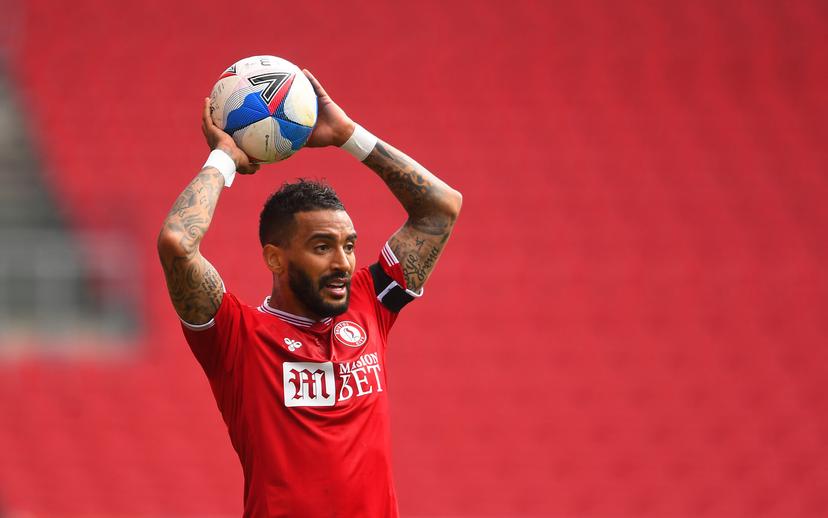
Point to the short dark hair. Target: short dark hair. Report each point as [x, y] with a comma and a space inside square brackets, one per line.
[276, 222]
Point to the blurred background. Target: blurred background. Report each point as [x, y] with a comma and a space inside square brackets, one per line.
[631, 319]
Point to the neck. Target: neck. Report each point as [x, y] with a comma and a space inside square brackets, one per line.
[285, 300]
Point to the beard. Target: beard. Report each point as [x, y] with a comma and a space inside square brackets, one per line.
[309, 292]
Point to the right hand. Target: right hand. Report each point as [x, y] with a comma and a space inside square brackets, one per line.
[333, 126]
[217, 139]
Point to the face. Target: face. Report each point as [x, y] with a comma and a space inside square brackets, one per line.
[320, 260]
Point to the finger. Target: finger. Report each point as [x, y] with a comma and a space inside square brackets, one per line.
[206, 119]
[320, 92]
[205, 116]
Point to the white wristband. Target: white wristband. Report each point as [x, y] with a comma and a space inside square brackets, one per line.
[360, 143]
[220, 160]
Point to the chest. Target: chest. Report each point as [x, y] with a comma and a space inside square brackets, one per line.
[338, 365]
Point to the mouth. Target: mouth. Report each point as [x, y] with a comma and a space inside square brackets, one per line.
[336, 289]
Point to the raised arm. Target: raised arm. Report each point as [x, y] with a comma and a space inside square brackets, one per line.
[432, 206]
[194, 285]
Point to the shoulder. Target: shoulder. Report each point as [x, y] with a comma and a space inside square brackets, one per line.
[231, 302]
[362, 287]
[231, 309]
[361, 280]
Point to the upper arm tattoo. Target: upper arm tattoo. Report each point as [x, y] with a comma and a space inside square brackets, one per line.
[417, 254]
[194, 285]
[195, 288]
[430, 205]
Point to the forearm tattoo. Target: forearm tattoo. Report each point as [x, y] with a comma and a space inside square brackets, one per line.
[194, 286]
[432, 208]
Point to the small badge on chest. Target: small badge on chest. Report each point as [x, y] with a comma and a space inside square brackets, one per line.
[350, 333]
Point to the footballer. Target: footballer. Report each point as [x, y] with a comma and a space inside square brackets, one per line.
[301, 379]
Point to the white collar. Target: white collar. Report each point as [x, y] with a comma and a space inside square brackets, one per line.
[290, 318]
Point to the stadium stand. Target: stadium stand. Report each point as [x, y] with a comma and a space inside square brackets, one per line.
[53, 283]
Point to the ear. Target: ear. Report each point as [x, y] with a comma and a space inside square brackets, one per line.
[274, 258]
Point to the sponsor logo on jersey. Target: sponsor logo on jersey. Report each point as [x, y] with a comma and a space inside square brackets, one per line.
[313, 384]
[350, 333]
[360, 377]
[309, 384]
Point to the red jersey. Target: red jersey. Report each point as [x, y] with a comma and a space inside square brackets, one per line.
[306, 403]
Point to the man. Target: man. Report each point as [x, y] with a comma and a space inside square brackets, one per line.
[301, 380]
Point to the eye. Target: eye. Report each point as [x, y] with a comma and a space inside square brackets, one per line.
[321, 248]
[349, 248]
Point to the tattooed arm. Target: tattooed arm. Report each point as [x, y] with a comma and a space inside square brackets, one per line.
[432, 208]
[194, 285]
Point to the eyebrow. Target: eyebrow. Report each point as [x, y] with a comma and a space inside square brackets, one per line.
[329, 235]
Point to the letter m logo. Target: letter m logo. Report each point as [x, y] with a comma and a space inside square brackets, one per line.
[308, 384]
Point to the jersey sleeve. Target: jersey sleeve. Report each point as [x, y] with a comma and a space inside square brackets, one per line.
[386, 284]
[215, 344]
[389, 281]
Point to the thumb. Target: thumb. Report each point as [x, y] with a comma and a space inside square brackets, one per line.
[317, 87]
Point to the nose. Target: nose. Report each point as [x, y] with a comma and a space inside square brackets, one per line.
[340, 260]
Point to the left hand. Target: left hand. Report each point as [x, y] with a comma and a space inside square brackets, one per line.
[333, 126]
[217, 139]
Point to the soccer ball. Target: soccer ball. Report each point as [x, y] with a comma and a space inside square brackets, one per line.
[268, 106]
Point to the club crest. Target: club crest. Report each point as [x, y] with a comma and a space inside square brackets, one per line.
[350, 333]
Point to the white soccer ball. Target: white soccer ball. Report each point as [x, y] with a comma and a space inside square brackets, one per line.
[268, 106]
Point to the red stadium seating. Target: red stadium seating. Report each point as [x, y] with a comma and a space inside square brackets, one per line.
[629, 321]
